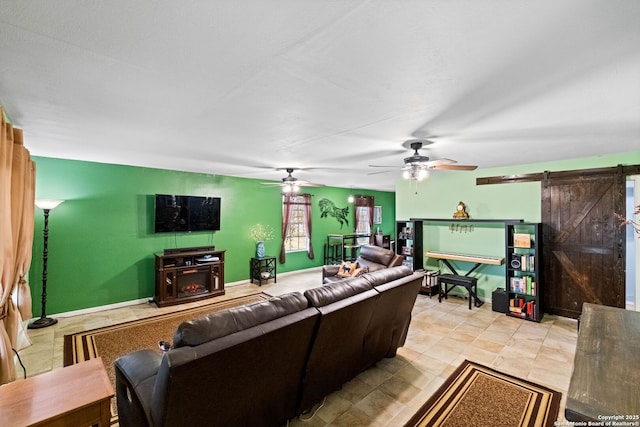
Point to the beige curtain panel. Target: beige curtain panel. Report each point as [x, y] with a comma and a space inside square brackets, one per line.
[17, 198]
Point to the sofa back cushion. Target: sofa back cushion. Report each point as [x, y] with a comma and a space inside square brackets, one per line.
[226, 322]
[336, 291]
[345, 310]
[376, 254]
[387, 275]
[376, 258]
[392, 316]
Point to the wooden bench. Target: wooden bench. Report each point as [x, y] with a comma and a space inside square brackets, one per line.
[453, 280]
[606, 368]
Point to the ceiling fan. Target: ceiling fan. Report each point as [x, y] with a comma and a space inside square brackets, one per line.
[417, 166]
[291, 184]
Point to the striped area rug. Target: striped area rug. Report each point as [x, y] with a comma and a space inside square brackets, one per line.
[475, 395]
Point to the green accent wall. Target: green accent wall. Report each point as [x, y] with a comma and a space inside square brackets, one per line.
[438, 196]
[102, 243]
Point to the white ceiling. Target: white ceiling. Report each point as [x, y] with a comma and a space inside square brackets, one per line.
[242, 88]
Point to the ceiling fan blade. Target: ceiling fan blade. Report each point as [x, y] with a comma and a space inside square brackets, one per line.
[299, 183]
[308, 184]
[379, 172]
[381, 166]
[439, 162]
[454, 167]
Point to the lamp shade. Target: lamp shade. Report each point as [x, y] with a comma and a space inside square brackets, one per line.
[48, 203]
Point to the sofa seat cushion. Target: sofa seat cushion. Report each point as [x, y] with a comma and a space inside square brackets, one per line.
[371, 266]
[223, 323]
[360, 271]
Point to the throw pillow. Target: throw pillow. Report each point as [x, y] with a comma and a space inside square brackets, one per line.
[346, 268]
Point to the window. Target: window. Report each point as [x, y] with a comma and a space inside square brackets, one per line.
[296, 239]
[296, 225]
[364, 216]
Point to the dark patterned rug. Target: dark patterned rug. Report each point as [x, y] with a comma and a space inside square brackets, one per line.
[475, 395]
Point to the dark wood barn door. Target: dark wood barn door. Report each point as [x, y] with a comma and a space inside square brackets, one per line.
[583, 243]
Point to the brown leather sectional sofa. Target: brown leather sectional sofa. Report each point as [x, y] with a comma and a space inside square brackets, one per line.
[265, 363]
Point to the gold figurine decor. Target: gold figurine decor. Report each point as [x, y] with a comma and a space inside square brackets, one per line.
[461, 211]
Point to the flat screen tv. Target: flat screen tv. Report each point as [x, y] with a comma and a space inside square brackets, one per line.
[186, 213]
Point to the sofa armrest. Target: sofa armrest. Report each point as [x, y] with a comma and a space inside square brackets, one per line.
[135, 377]
[396, 261]
[329, 270]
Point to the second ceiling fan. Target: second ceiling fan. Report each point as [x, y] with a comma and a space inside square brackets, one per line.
[291, 184]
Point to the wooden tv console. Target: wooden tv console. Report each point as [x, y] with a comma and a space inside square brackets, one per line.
[188, 274]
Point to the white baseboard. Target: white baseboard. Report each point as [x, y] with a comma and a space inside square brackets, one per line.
[150, 298]
[104, 307]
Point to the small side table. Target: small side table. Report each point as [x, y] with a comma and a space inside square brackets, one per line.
[76, 395]
[263, 269]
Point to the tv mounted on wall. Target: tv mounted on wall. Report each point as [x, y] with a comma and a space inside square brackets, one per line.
[186, 213]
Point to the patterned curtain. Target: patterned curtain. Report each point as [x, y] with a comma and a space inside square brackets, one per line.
[17, 187]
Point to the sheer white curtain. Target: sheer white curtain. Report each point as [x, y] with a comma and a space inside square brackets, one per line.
[364, 217]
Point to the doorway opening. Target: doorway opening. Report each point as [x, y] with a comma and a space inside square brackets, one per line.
[632, 274]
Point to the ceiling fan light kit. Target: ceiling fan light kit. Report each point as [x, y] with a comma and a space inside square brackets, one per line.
[416, 172]
[290, 188]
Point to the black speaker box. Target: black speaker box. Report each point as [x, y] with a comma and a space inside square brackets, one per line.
[499, 301]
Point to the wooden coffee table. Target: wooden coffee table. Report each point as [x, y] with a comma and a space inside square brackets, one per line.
[77, 395]
[605, 379]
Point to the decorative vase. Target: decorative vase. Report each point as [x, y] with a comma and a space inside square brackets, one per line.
[260, 249]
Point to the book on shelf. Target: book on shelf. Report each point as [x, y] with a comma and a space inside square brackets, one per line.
[522, 285]
[515, 310]
[520, 308]
[530, 309]
[518, 261]
[527, 262]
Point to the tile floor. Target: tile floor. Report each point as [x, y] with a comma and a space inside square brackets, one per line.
[440, 337]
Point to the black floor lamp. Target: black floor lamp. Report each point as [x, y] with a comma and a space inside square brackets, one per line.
[44, 321]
